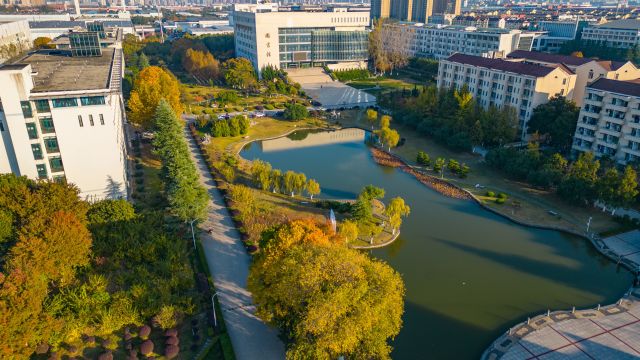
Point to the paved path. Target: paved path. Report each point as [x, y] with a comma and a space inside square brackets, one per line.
[229, 265]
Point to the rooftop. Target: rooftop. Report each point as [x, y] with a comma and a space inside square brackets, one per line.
[631, 24]
[55, 24]
[57, 72]
[549, 58]
[631, 88]
[503, 65]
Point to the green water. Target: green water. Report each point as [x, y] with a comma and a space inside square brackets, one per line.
[469, 274]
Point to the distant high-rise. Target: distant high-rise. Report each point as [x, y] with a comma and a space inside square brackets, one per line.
[413, 10]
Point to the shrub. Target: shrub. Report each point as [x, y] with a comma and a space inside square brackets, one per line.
[171, 351]
[502, 196]
[491, 194]
[353, 74]
[106, 356]
[423, 158]
[138, 165]
[139, 181]
[172, 340]
[269, 107]
[171, 333]
[500, 201]
[295, 112]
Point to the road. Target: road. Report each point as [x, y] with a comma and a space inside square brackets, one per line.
[229, 265]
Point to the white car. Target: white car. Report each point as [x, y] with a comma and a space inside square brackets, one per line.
[259, 114]
[222, 117]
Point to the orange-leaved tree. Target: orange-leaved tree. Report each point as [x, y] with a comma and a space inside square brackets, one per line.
[152, 84]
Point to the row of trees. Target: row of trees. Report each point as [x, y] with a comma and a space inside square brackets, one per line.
[388, 137]
[234, 126]
[581, 182]
[269, 179]
[329, 301]
[461, 170]
[187, 197]
[452, 117]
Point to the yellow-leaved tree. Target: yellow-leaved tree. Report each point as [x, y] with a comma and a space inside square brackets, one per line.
[331, 301]
[152, 84]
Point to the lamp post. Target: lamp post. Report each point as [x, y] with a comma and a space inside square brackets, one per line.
[213, 307]
[193, 235]
[589, 224]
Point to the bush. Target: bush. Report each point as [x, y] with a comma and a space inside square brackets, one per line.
[171, 351]
[146, 347]
[491, 194]
[500, 201]
[138, 166]
[423, 158]
[144, 332]
[269, 107]
[353, 74]
[295, 112]
[502, 196]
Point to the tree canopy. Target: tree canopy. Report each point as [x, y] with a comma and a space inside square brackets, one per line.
[556, 122]
[239, 74]
[150, 86]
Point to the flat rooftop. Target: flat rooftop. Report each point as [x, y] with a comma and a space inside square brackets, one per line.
[67, 73]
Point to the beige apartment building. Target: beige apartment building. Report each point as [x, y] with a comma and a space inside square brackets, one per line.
[609, 121]
[499, 82]
[587, 70]
[337, 37]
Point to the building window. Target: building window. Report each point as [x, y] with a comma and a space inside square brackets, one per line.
[92, 100]
[60, 178]
[51, 144]
[101, 119]
[91, 120]
[37, 151]
[55, 163]
[32, 130]
[42, 171]
[65, 102]
[46, 125]
[26, 109]
[1, 126]
[42, 105]
[80, 121]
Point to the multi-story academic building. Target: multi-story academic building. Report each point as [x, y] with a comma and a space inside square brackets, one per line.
[618, 34]
[498, 82]
[414, 10]
[337, 38]
[609, 121]
[62, 117]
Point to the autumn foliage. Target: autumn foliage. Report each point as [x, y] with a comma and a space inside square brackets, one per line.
[153, 84]
[201, 64]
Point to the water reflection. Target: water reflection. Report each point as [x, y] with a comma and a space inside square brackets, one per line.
[469, 274]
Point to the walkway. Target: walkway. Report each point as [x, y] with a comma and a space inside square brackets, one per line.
[331, 94]
[229, 266]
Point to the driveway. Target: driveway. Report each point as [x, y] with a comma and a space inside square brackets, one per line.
[229, 265]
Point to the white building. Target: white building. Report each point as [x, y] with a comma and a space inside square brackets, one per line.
[497, 82]
[15, 37]
[62, 118]
[619, 34]
[609, 121]
[291, 39]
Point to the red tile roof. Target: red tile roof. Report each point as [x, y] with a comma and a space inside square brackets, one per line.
[631, 88]
[549, 58]
[504, 65]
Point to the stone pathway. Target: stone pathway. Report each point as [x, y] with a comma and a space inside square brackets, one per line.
[229, 265]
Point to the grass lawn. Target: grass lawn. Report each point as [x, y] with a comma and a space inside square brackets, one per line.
[525, 203]
[377, 86]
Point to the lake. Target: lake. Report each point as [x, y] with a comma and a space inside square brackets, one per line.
[469, 274]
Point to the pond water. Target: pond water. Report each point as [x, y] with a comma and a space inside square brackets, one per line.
[469, 273]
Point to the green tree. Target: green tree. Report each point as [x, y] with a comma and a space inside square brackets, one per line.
[439, 166]
[289, 182]
[320, 295]
[578, 186]
[312, 187]
[299, 182]
[423, 158]
[453, 166]
[628, 189]
[143, 61]
[261, 174]
[239, 74]
[276, 180]
[295, 112]
[556, 120]
[110, 211]
[396, 210]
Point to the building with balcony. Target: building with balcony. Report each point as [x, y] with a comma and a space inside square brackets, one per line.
[266, 36]
[497, 82]
[587, 70]
[609, 121]
[62, 118]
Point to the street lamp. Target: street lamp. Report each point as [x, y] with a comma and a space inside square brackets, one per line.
[193, 235]
[213, 306]
[589, 224]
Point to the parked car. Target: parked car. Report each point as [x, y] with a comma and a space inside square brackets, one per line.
[258, 114]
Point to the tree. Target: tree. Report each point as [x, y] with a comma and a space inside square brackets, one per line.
[276, 180]
[110, 211]
[376, 47]
[348, 230]
[167, 318]
[143, 61]
[295, 112]
[453, 166]
[628, 189]
[578, 186]
[372, 192]
[556, 120]
[372, 116]
[385, 121]
[607, 186]
[261, 174]
[439, 166]
[423, 158]
[299, 182]
[239, 74]
[201, 64]
[153, 84]
[396, 210]
[389, 137]
[312, 187]
[43, 42]
[330, 301]
[289, 182]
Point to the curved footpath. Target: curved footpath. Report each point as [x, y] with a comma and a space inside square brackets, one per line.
[229, 265]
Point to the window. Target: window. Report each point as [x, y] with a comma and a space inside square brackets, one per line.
[80, 121]
[55, 163]
[51, 144]
[91, 120]
[1, 126]
[37, 151]
[32, 130]
[26, 109]
[46, 125]
[42, 105]
[92, 100]
[101, 119]
[64, 102]
[42, 171]
[60, 178]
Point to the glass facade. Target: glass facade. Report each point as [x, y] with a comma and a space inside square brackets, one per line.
[26, 109]
[300, 47]
[42, 105]
[55, 163]
[339, 46]
[51, 144]
[64, 102]
[37, 151]
[32, 130]
[92, 100]
[97, 26]
[46, 125]
[42, 171]
[85, 44]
